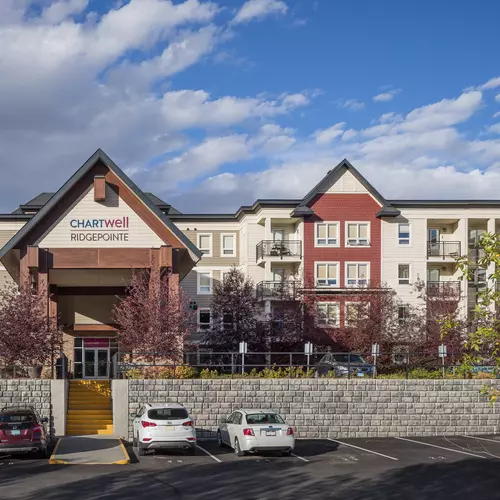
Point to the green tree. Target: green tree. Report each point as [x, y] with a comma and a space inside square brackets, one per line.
[482, 345]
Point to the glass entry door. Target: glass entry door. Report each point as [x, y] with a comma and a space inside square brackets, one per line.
[96, 363]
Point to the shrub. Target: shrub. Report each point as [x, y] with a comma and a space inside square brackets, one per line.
[207, 373]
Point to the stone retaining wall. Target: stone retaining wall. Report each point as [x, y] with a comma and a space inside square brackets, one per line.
[325, 407]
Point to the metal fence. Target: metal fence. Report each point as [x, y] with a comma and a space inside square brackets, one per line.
[287, 364]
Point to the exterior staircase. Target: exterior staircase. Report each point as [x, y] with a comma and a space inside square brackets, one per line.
[89, 408]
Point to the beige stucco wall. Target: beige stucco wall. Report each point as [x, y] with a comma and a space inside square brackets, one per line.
[86, 309]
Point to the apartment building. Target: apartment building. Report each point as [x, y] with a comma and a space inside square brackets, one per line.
[342, 238]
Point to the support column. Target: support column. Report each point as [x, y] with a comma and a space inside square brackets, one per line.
[24, 271]
[267, 226]
[491, 226]
[463, 237]
[154, 276]
[43, 279]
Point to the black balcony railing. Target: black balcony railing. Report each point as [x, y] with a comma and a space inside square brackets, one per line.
[278, 290]
[476, 252]
[285, 248]
[443, 249]
[443, 289]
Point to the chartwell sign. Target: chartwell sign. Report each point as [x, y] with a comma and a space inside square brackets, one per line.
[112, 229]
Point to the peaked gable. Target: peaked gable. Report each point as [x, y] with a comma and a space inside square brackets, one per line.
[344, 178]
[99, 164]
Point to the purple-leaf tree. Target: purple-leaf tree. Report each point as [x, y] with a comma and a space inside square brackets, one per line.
[28, 337]
[154, 318]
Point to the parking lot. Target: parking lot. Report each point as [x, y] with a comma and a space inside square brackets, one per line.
[373, 468]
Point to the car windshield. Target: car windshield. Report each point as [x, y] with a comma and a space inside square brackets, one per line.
[264, 418]
[16, 418]
[168, 414]
[347, 358]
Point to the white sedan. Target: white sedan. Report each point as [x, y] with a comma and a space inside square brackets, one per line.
[251, 431]
[160, 426]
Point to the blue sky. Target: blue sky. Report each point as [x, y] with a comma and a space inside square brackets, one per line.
[214, 104]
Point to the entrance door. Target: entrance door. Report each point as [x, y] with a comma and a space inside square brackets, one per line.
[433, 236]
[96, 363]
[278, 235]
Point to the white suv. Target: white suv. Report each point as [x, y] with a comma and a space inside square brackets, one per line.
[160, 426]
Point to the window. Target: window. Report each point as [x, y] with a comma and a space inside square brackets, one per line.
[168, 414]
[327, 234]
[357, 234]
[327, 274]
[478, 278]
[329, 314]
[204, 319]
[404, 274]
[237, 419]
[205, 243]
[204, 282]
[403, 313]
[228, 245]
[355, 311]
[357, 274]
[404, 234]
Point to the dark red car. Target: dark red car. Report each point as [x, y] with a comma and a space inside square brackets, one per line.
[23, 431]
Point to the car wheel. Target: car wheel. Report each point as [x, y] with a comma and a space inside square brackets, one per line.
[191, 451]
[42, 453]
[141, 452]
[237, 449]
[287, 453]
[220, 443]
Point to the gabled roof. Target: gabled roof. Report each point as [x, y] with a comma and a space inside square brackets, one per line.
[303, 209]
[84, 169]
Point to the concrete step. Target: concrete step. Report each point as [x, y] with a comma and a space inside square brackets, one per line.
[99, 432]
[99, 423]
[89, 399]
[89, 426]
[89, 413]
[93, 407]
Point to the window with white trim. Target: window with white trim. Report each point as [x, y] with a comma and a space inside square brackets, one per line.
[326, 234]
[404, 234]
[355, 311]
[404, 274]
[204, 282]
[327, 274]
[328, 314]
[228, 245]
[205, 243]
[204, 318]
[403, 313]
[357, 273]
[357, 234]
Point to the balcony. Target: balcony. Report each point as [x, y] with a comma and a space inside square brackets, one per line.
[443, 249]
[290, 250]
[448, 290]
[277, 290]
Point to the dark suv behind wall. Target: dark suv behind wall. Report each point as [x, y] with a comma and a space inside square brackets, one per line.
[22, 430]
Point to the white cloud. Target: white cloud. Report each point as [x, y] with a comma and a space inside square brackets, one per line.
[496, 115]
[61, 10]
[491, 84]
[258, 9]
[494, 129]
[420, 155]
[329, 134]
[386, 96]
[352, 104]
[193, 108]
[497, 98]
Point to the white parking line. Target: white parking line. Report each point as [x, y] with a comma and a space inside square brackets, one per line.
[208, 453]
[482, 439]
[363, 449]
[300, 458]
[441, 447]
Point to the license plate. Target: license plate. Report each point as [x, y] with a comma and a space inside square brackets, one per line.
[169, 427]
[361, 374]
[15, 433]
[270, 433]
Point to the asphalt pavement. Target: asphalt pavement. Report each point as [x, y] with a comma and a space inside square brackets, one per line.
[375, 468]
